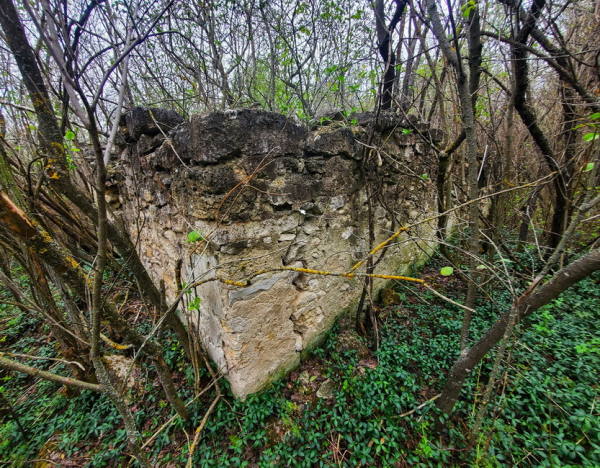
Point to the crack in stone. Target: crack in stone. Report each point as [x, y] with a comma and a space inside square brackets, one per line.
[307, 192]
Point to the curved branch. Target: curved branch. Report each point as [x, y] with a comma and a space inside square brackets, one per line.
[563, 73]
[525, 306]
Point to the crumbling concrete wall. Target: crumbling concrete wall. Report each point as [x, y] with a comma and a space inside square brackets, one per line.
[265, 192]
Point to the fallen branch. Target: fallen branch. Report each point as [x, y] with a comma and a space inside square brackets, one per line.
[32, 371]
[170, 421]
[419, 407]
[27, 356]
[199, 430]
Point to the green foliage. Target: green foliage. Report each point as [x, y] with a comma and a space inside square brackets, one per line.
[69, 137]
[467, 8]
[195, 304]
[365, 414]
[544, 416]
[592, 346]
[194, 236]
[591, 136]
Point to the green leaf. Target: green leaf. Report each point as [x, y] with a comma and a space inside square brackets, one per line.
[591, 136]
[194, 236]
[195, 304]
[588, 167]
[481, 267]
[466, 9]
[425, 176]
[69, 135]
[446, 271]
[595, 116]
[74, 150]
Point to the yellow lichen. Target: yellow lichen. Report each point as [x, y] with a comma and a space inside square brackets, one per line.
[306, 270]
[380, 246]
[46, 237]
[234, 283]
[72, 262]
[399, 278]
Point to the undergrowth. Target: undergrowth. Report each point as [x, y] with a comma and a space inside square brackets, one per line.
[544, 411]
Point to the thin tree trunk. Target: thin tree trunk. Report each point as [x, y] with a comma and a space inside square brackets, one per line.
[384, 44]
[51, 143]
[526, 304]
[519, 53]
[467, 93]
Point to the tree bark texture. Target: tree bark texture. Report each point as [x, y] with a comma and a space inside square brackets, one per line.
[384, 44]
[526, 305]
[52, 146]
[51, 254]
[519, 53]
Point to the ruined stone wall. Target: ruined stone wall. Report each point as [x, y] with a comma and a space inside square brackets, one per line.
[266, 192]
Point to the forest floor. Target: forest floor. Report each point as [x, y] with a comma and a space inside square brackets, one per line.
[347, 405]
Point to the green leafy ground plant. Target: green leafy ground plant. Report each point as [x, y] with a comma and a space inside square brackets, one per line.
[544, 413]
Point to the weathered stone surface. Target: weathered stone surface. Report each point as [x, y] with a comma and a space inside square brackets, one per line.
[390, 297]
[339, 142]
[329, 118]
[119, 368]
[265, 193]
[146, 144]
[304, 378]
[326, 390]
[226, 135]
[349, 341]
[140, 121]
[386, 120]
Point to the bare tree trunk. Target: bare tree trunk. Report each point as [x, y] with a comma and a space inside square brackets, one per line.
[519, 53]
[384, 44]
[467, 93]
[443, 194]
[526, 304]
[412, 64]
[51, 142]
